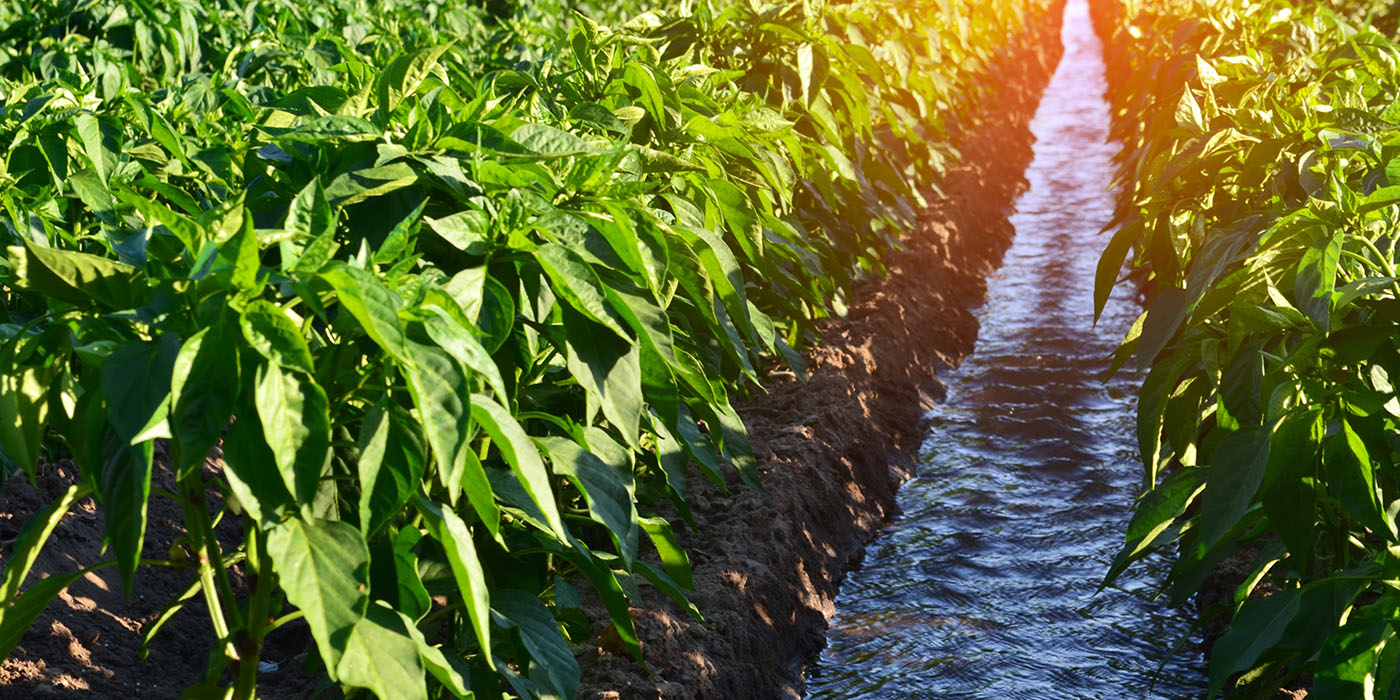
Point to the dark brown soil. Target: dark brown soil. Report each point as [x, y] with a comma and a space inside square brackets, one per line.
[832, 453]
[767, 564]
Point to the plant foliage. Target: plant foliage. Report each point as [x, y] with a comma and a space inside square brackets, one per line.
[454, 292]
[1259, 210]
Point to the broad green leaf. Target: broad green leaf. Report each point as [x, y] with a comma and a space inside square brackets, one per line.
[643, 79]
[89, 187]
[1257, 627]
[136, 379]
[30, 542]
[739, 215]
[309, 213]
[18, 615]
[447, 670]
[323, 567]
[358, 185]
[295, 417]
[405, 75]
[1237, 469]
[520, 453]
[608, 368]
[1347, 666]
[577, 284]
[204, 388]
[77, 278]
[549, 141]
[374, 305]
[124, 490]
[392, 463]
[468, 231]
[382, 657]
[463, 345]
[272, 333]
[251, 467]
[97, 146]
[607, 488]
[24, 410]
[442, 398]
[1351, 476]
[541, 637]
[466, 569]
[673, 556]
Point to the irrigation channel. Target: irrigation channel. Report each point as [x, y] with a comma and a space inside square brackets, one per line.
[985, 586]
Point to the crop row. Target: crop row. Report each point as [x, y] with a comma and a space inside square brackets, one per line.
[453, 294]
[1259, 208]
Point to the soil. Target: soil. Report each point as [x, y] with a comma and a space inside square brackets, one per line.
[832, 453]
[767, 564]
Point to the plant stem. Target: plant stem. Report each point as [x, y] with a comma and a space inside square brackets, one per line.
[260, 578]
[212, 578]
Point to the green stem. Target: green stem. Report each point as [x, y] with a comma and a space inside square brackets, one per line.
[250, 648]
[212, 578]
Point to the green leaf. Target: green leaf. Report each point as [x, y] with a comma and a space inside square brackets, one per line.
[295, 418]
[1165, 315]
[30, 542]
[374, 305]
[136, 380]
[468, 231]
[607, 488]
[18, 615]
[405, 75]
[204, 388]
[608, 368]
[643, 78]
[24, 411]
[124, 490]
[1155, 512]
[309, 213]
[673, 556]
[1259, 626]
[358, 185]
[549, 141]
[442, 397]
[463, 345]
[541, 637]
[274, 335]
[520, 453]
[251, 467]
[1351, 476]
[448, 670]
[96, 145]
[382, 657]
[1347, 666]
[412, 594]
[323, 565]
[739, 215]
[77, 278]
[466, 569]
[575, 282]
[1237, 469]
[393, 460]
[90, 188]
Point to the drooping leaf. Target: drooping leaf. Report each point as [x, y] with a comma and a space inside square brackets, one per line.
[323, 568]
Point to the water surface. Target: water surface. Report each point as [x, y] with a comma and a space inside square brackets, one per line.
[985, 587]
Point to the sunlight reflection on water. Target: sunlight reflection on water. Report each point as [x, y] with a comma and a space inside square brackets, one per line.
[985, 588]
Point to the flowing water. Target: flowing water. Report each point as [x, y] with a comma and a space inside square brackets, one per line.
[985, 586]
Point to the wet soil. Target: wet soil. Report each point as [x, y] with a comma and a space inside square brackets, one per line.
[833, 452]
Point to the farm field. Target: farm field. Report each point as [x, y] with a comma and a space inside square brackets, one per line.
[512, 349]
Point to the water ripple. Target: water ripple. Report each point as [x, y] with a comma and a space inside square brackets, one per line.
[986, 588]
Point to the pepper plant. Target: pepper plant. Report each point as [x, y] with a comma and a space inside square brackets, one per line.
[440, 300]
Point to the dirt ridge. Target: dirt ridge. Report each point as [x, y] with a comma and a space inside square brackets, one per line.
[833, 452]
